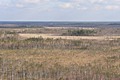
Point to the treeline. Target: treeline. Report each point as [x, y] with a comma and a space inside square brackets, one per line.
[80, 32]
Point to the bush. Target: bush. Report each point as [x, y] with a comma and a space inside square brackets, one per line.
[35, 39]
[81, 32]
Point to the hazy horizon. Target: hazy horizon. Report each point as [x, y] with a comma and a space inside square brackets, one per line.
[58, 21]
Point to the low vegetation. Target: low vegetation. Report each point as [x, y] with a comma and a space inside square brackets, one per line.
[58, 59]
[81, 32]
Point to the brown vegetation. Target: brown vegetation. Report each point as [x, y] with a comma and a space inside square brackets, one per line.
[58, 59]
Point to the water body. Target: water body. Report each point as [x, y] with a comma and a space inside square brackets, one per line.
[57, 24]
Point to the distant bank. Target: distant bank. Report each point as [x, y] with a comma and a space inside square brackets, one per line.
[22, 24]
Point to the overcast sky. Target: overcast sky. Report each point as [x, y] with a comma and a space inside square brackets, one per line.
[60, 10]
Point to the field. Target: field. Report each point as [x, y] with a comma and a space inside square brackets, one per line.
[59, 54]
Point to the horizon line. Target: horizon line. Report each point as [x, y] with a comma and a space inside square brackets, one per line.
[53, 21]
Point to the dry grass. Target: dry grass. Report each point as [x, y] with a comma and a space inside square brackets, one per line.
[103, 62]
[63, 57]
[97, 59]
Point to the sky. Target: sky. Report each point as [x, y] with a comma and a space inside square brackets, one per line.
[59, 10]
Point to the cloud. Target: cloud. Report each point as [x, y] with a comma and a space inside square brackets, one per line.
[98, 1]
[82, 8]
[32, 1]
[117, 0]
[4, 3]
[36, 1]
[66, 5]
[19, 5]
[112, 7]
[59, 9]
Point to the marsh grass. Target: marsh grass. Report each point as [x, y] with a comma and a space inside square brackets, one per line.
[36, 64]
[59, 59]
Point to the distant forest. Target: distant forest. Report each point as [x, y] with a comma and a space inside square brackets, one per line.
[4, 24]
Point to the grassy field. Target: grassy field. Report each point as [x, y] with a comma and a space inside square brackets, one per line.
[31, 55]
[37, 64]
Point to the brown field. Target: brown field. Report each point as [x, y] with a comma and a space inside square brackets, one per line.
[45, 54]
[65, 64]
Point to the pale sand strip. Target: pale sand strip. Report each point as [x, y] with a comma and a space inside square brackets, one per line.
[69, 37]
